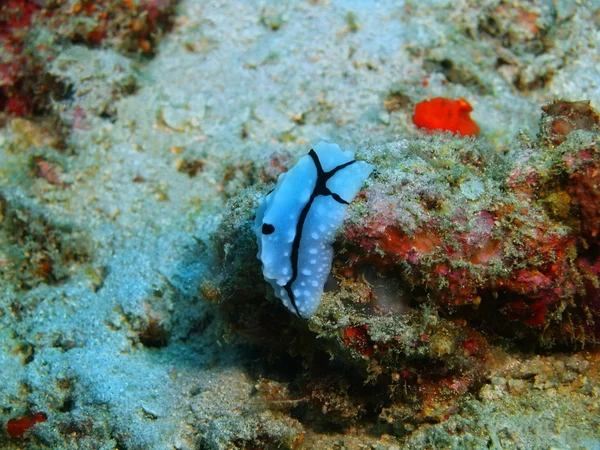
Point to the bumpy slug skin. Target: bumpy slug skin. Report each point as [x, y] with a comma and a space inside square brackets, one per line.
[296, 223]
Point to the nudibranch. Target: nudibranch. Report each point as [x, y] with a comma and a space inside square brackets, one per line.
[296, 222]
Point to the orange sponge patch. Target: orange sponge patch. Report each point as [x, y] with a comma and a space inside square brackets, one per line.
[446, 115]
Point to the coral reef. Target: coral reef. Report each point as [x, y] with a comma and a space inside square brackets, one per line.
[22, 85]
[481, 232]
[136, 138]
[34, 33]
[131, 26]
[451, 248]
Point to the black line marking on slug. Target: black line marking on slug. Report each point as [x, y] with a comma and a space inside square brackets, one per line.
[320, 189]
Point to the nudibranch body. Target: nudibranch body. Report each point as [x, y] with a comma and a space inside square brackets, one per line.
[296, 223]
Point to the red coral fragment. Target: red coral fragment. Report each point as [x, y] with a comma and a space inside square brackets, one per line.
[584, 189]
[16, 14]
[17, 106]
[17, 427]
[471, 346]
[532, 314]
[446, 115]
[411, 248]
[357, 338]
[434, 253]
[15, 19]
[591, 275]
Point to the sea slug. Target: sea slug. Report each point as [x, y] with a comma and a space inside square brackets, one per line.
[296, 222]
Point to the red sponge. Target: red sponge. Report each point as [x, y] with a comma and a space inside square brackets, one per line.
[446, 115]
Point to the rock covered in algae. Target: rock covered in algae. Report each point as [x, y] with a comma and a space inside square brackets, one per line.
[452, 261]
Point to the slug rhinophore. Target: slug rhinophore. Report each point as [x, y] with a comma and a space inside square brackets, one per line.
[296, 222]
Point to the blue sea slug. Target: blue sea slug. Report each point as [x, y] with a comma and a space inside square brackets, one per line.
[296, 223]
